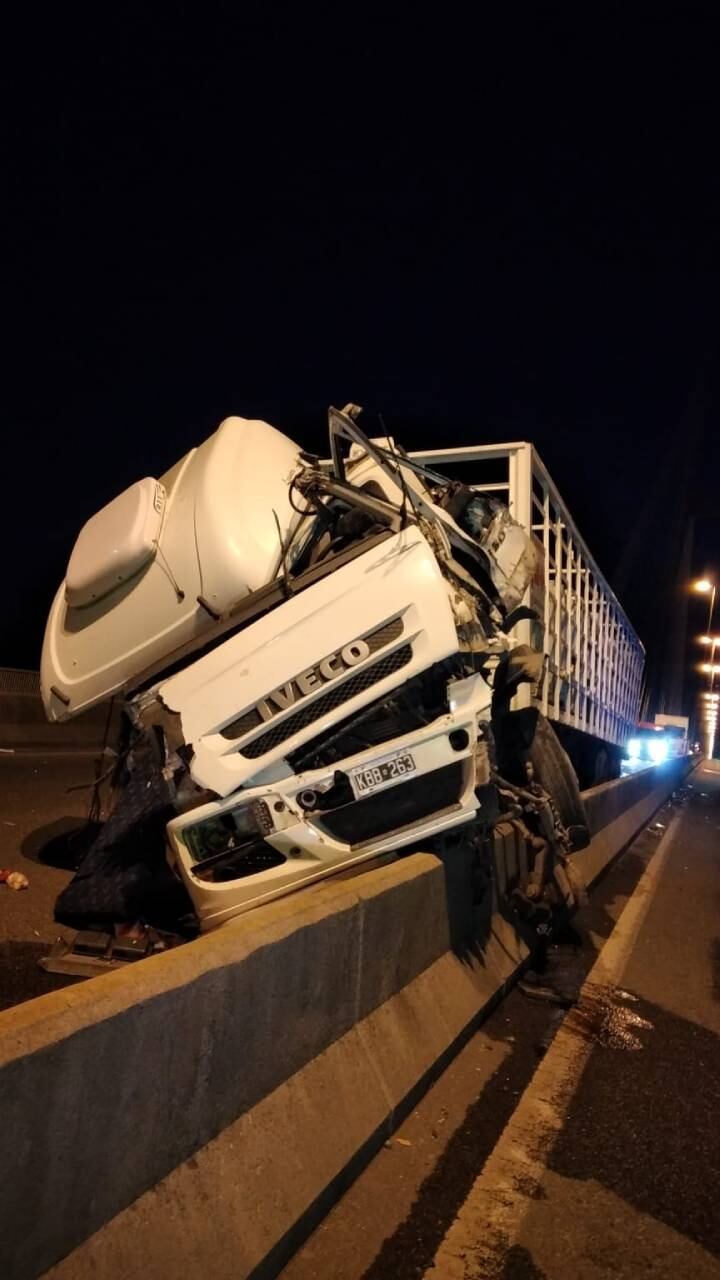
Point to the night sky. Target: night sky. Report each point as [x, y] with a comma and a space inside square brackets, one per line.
[485, 230]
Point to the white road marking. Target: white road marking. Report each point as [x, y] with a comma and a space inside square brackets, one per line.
[490, 1220]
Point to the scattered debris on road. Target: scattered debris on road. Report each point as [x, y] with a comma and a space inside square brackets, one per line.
[95, 951]
[14, 880]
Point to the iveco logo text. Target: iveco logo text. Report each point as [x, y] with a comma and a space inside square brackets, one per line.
[329, 669]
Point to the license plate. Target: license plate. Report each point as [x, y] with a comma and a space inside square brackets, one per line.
[383, 773]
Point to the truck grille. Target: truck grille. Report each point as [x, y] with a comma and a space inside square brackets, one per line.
[251, 719]
[335, 697]
[409, 706]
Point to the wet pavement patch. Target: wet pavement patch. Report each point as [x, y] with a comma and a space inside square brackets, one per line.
[604, 1015]
[646, 1124]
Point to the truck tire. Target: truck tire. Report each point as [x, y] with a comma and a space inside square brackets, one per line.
[526, 736]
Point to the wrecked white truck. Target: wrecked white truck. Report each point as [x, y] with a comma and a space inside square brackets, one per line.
[321, 662]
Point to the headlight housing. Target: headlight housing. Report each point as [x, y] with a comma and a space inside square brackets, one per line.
[230, 841]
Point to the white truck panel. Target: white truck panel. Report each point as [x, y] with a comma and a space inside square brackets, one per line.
[89, 653]
[227, 508]
[242, 507]
[281, 649]
[116, 543]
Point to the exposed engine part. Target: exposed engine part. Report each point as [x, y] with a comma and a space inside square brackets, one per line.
[416, 703]
[549, 878]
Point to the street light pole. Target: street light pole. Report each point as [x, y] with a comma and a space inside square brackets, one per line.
[704, 585]
[712, 610]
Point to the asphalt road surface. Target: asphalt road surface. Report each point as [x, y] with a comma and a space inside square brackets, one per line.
[580, 1144]
[37, 809]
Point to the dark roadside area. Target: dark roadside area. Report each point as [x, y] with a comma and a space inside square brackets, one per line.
[38, 810]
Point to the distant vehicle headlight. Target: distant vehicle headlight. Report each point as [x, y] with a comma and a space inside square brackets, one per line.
[634, 748]
[658, 749]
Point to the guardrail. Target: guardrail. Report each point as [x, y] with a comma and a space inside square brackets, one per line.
[213, 1101]
[18, 680]
[23, 724]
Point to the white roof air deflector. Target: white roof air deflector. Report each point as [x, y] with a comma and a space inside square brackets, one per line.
[116, 543]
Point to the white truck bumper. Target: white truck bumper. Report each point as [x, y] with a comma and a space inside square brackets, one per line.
[403, 792]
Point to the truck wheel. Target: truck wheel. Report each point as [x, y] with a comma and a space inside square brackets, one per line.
[526, 736]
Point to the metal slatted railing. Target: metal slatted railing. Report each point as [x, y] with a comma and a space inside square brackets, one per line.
[593, 658]
[16, 681]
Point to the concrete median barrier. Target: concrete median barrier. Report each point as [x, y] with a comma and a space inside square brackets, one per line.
[200, 1111]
